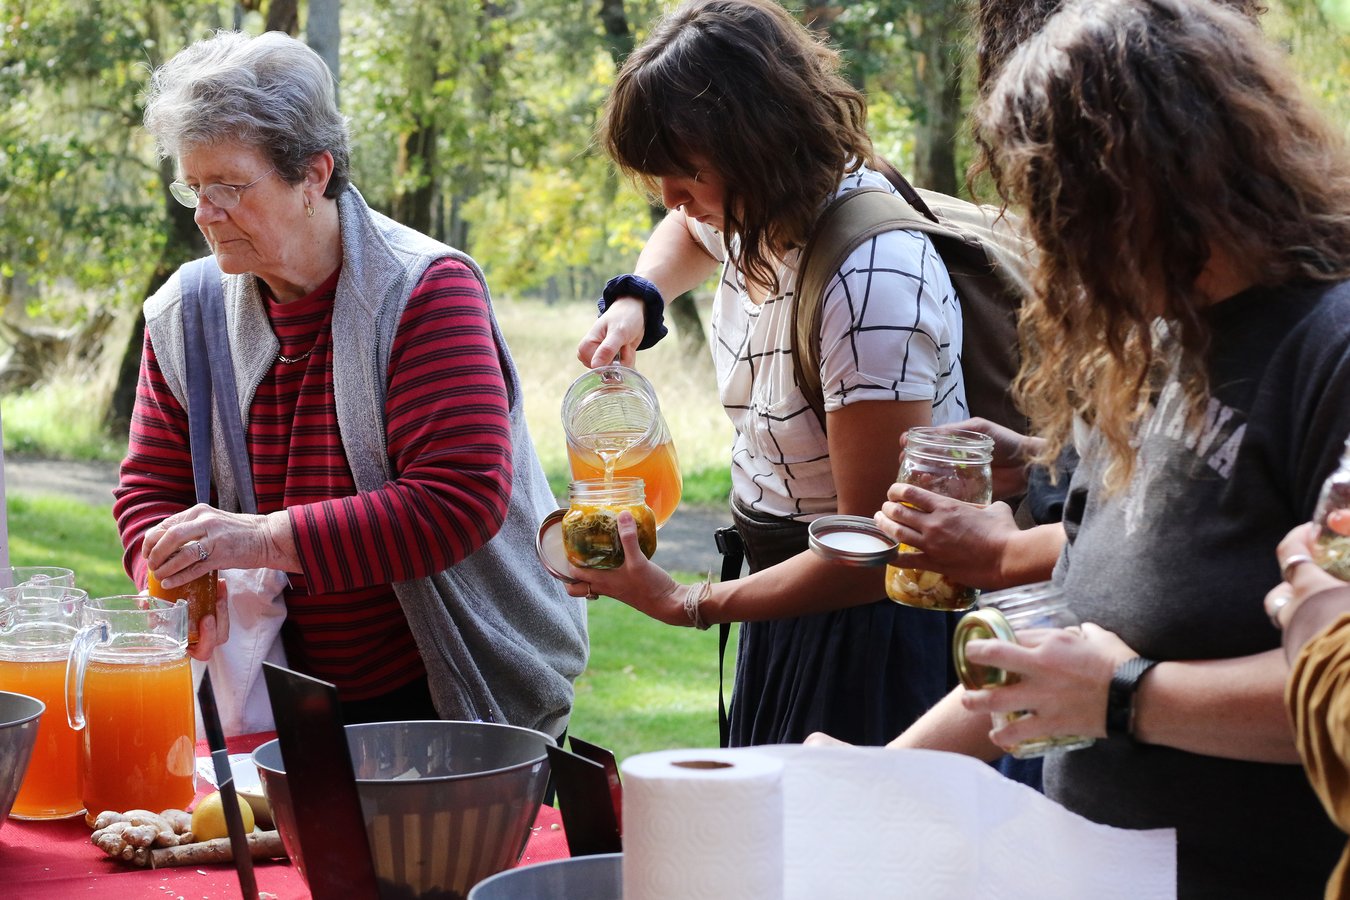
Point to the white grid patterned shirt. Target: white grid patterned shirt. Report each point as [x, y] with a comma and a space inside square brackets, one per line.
[891, 330]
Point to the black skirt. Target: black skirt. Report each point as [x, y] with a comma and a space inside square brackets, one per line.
[861, 674]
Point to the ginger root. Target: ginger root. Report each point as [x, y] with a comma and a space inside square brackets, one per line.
[261, 845]
[156, 840]
[172, 827]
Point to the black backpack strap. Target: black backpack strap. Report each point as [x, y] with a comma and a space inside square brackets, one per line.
[210, 372]
[733, 554]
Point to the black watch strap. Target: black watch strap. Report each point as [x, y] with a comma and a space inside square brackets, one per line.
[1120, 696]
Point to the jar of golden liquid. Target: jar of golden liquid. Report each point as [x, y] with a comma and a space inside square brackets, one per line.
[590, 528]
[954, 464]
[1002, 615]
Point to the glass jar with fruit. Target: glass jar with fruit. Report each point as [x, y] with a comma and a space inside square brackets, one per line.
[590, 528]
[1331, 547]
[1003, 615]
[955, 464]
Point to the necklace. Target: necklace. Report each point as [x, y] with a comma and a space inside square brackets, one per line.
[295, 359]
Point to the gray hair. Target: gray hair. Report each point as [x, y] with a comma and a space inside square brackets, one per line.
[270, 91]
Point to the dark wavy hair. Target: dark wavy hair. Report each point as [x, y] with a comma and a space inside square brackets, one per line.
[745, 88]
[1136, 136]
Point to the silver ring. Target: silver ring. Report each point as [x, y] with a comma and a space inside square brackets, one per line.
[1289, 565]
[202, 552]
[1278, 603]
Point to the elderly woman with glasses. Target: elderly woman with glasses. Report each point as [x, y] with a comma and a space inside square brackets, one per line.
[396, 483]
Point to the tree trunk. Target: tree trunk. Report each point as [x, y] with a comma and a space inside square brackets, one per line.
[283, 15]
[323, 33]
[936, 30]
[618, 36]
[184, 243]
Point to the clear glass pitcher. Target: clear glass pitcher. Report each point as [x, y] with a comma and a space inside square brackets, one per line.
[614, 426]
[38, 622]
[15, 576]
[129, 693]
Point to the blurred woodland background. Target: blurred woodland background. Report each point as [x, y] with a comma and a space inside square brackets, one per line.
[472, 120]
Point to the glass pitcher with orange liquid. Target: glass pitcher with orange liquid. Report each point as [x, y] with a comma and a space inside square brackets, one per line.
[37, 625]
[614, 427]
[129, 694]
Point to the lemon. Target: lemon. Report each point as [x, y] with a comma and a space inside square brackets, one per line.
[208, 819]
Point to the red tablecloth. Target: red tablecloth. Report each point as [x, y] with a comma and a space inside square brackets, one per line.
[55, 860]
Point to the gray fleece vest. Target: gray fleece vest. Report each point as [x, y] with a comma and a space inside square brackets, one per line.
[500, 638]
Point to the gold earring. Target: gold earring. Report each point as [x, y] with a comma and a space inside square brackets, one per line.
[309, 210]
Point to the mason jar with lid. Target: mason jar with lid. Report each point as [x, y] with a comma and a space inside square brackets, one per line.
[1002, 614]
[590, 527]
[955, 464]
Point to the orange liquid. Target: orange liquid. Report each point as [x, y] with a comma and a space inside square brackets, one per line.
[659, 470]
[199, 594]
[139, 736]
[51, 787]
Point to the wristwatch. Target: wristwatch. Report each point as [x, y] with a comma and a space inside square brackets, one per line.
[1120, 696]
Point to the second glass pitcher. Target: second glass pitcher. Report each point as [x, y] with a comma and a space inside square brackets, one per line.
[614, 427]
[129, 690]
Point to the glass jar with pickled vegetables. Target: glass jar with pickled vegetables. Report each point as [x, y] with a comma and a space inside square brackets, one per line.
[1331, 547]
[1003, 615]
[590, 528]
[955, 464]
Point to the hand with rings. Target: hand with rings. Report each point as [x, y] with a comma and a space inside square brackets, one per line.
[1300, 581]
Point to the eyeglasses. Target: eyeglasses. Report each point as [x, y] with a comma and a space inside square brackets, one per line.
[222, 196]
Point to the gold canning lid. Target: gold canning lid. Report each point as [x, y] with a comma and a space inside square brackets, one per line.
[981, 624]
[548, 543]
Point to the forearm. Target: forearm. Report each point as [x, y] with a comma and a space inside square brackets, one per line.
[673, 259]
[1030, 555]
[950, 726]
[1230, 708]
[802, 585]
[1312, 616]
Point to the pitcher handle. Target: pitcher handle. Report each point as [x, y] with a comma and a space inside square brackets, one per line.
[77, 664]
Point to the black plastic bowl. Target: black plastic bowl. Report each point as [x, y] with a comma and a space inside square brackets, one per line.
[446, 803]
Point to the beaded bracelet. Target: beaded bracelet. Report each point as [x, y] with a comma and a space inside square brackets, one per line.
[653, 306]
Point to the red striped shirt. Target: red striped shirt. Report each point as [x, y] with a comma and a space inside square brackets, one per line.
[448, 437]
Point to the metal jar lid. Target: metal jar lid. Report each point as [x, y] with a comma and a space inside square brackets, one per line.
[850, 541]
[981, 624]
[548, 543]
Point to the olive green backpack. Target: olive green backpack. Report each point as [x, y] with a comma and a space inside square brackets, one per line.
[986, 255]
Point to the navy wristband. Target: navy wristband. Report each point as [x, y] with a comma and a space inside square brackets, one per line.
[653, 306]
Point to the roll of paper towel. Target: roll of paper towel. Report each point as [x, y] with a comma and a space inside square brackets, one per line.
[702, 824]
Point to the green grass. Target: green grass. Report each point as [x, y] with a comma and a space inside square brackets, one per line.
[60, 420]
[57, 531]
[649, 686]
